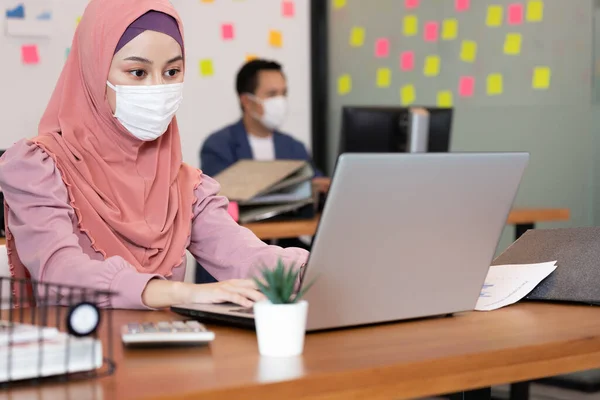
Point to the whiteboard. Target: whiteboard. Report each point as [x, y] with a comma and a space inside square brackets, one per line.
[274, 29]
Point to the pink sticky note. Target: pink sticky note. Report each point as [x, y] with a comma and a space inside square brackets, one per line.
[407, 60]
[30, 54]
[431, 31]
[288, 9]
[411, 3]
[227, 31]
[515, 14]
[382, 47]
[466, 86]
[234, 211]
[462, 5]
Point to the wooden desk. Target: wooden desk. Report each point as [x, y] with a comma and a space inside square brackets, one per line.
[523, 219]
[405, 360]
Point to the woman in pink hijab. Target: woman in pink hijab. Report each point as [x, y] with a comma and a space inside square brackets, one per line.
[101, 197]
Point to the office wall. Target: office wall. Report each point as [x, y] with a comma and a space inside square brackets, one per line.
[220, 35]
[553, 119]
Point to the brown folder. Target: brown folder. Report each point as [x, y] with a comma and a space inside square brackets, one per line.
[247, 181]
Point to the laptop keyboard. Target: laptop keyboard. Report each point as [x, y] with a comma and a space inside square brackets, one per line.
[248, 311]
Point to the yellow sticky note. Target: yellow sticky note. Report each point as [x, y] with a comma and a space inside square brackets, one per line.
[512, 43]
[344, 84]
[275, 38]
[494, 84]
[357, 36]
[250, 57]
[541, 78]
[535, 10]
[411, 25]
[432, 66]
[444, 99]
[337, 4]
[407, 94]
[468, 51]
[384, 77]
[449, 29]
[494, 16]
[206, 67]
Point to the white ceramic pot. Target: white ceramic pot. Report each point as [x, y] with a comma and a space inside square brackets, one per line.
[280, 328]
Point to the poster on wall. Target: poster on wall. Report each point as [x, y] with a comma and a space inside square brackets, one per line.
[28, 19]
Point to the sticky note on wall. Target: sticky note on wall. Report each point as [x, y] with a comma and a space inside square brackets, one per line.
[411, 3]
[468, 51]
[462, 5]
[515, 14]
[275, 38]
[541, 78]
[382, 47]
[431, 31]
[495, 15]
[535, 10]
[407, 94]
[384, 77]
[407, 60]
[357, 36]
[432, 66]
[337, 4]
[444, 99]
[30, 54]
[466, 86]
[495, 84]
[206, 67]
[512, 44]
[288, 9]
[227, 31]
[449, 29]
[344, 84]
[410, 25]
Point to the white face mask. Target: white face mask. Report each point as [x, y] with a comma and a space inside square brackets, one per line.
[146, 111]
[274, 111]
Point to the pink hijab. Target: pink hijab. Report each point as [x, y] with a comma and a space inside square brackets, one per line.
[133, 199]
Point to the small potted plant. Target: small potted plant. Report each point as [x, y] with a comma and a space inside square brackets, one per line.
[281, 319]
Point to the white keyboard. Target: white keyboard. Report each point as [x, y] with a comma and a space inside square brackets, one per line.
[166, 333]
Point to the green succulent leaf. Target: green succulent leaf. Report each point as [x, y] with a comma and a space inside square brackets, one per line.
[278, 283]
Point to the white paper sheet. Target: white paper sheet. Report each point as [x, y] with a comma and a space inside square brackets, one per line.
[507, 284]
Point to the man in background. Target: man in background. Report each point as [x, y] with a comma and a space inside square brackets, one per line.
[262, 90]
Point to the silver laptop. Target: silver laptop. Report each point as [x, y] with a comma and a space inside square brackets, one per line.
[402, 236]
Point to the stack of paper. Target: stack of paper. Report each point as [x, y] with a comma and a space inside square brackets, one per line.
[28, 351]
[266, 189]
[507, 284]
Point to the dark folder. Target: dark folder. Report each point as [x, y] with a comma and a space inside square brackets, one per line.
[577, 252]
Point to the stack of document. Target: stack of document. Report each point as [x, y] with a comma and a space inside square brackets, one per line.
[267, 189]
[28, 352]
[507, 284]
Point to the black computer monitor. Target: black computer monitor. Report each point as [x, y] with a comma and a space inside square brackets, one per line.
[386, 129]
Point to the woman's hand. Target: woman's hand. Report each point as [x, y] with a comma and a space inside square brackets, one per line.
[239, 291]
[161, 293]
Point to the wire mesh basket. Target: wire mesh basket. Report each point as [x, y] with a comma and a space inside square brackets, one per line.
[53, 332]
